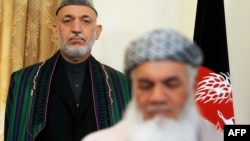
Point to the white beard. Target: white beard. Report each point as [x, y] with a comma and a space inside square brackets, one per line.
[79, 51]
[160, 128]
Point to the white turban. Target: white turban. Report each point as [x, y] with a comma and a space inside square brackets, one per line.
[162, 44]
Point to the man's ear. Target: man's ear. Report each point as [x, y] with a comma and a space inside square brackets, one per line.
[54, 31]
[98, 31]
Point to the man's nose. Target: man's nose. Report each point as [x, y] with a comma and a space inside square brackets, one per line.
[77, 27]
[159, 94]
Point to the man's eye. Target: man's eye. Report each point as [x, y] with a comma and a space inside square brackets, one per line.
[172, 85]
[66, 21]
[86, 21]
[145, 86]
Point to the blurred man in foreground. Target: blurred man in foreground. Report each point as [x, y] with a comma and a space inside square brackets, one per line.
[162, 66]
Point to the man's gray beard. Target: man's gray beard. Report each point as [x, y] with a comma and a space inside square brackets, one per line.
[160, 128]
[78, 51]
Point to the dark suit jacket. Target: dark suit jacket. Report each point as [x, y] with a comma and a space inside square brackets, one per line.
[38, 98]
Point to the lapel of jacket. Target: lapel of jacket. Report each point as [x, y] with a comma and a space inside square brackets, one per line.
[40, 92]
[101, 93]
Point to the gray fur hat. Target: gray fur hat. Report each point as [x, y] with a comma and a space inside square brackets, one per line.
[162, 44]
[88, 3]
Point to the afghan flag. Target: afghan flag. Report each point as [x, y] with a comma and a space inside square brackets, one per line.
[214, 91]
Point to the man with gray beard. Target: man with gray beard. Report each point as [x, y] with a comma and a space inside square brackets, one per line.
[162, 66]
[70, 94]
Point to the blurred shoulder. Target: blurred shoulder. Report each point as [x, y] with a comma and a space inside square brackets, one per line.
[113, 133]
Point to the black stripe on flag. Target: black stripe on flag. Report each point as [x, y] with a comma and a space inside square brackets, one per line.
[210, 34]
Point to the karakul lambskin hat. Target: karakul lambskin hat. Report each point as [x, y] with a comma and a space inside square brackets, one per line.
[88, 3]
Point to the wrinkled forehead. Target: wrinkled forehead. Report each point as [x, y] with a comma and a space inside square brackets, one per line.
[160, 70]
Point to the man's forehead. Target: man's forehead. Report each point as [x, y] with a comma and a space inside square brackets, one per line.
[161, 66]
[160, 70]
[161, 80]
